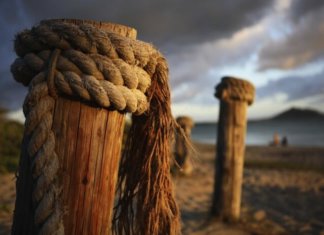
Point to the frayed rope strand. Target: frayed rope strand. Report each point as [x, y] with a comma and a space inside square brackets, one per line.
[146, 204]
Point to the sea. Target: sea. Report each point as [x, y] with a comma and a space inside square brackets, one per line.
[298, 133]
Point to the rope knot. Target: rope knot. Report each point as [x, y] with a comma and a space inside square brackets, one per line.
[237, 89]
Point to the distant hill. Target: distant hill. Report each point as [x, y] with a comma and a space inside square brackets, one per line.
[294, 114]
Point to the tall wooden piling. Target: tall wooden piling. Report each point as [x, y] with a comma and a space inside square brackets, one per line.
[88, 145]
[235, 95]
[83, 76]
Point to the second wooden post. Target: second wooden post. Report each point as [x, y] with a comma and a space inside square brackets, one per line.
[235, 95]
[182, 150]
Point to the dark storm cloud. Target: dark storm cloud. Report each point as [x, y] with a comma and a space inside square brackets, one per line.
[161, 22]
[299, 8]
[202, 66]
[12, 20]
[303, 45]
[294, 87]
[196, 92]
[173, 26]
[11, 93]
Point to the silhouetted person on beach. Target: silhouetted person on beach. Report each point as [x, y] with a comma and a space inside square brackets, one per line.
[284, 141]
[276, 140]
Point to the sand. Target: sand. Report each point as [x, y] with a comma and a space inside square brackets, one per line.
[274, 201]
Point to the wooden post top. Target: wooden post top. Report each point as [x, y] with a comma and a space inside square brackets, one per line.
[232, 88]
[185, 121]
[122, 30]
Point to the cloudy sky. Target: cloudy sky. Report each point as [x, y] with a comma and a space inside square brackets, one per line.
[278, 45]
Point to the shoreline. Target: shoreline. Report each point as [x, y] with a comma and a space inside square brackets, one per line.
[207, 144]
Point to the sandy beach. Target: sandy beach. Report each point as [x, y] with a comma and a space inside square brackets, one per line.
[283, 193]
[275, 200]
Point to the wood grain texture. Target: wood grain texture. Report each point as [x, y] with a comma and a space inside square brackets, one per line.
[230, 160]
[89, 145]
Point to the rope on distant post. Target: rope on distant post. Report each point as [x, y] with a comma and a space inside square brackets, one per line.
[110, 71]
[232, 88]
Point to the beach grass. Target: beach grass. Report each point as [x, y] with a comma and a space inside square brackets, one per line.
[11, 134]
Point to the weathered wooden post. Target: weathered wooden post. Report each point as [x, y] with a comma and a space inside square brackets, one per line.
[182, 150]
[235, 95]
[83, 76]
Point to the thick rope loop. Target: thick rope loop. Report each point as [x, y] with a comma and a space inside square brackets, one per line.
[87, 51]
[86, 38]
[103, 81]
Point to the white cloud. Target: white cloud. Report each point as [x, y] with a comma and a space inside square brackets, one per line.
[198, 68]
[304, 44]
[198, 112]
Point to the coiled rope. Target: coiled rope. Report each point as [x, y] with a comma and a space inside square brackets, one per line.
[60, 58]
[232, 88]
